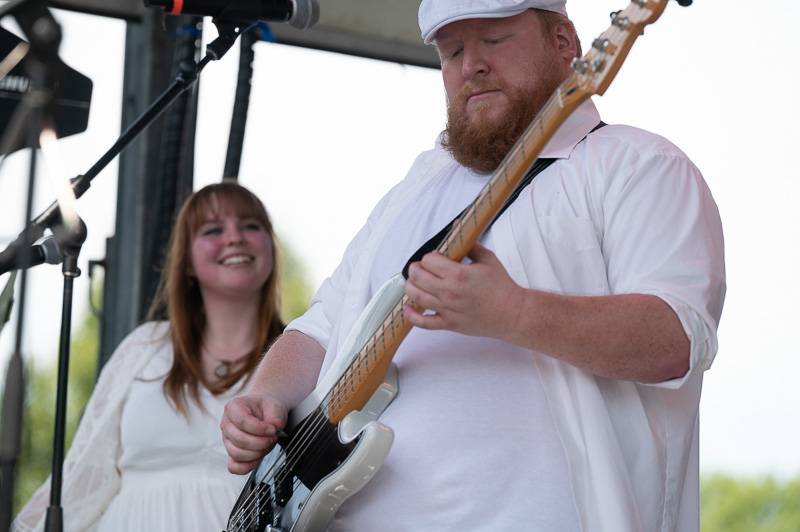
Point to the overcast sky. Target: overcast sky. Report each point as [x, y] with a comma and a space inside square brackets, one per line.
[328, 134]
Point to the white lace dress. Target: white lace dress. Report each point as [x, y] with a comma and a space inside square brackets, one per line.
[173, 469]
[134, 463]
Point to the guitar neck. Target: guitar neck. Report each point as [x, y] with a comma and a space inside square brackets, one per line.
[469, 228]
[367, 371]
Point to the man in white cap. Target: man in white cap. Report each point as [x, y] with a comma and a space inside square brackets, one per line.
[554, 382]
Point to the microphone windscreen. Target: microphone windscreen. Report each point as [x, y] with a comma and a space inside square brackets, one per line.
[305, 13]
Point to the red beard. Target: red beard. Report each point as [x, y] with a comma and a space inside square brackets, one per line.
[481, 145]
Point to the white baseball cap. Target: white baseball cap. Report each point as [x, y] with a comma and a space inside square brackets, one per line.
[433, 14]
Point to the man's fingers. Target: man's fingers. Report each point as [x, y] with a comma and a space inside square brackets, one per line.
[422, 278]
[249, 427]
[480, 253]
[241, 468]
[273, 413]
[422, 299]
[438, 264]
[240, 454]
[241, 415]
[423, 321]
[246, 441]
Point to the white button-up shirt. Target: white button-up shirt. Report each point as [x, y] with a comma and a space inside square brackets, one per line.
[625, 211]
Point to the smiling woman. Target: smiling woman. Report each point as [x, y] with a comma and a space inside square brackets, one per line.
[221, 259]
[148, 453]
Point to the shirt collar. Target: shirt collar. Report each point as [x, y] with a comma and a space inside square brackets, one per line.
[577, 125]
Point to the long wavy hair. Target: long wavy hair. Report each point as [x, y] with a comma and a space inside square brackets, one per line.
[178, 298]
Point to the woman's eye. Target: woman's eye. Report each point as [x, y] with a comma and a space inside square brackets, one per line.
[211, 231]
[253, 226]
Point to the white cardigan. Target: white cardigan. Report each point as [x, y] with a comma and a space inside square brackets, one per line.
[90, 475]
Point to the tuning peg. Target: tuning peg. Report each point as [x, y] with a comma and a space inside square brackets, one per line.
[619, 21]
[580, 66]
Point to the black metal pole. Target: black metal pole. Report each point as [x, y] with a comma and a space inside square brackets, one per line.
[241, 104]
[70, 242]
[14, 391]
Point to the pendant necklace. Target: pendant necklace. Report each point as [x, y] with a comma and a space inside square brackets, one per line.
[223, 368]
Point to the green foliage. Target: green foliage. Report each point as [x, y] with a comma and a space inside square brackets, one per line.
[749, 505]
[37, 438]
[296, 293]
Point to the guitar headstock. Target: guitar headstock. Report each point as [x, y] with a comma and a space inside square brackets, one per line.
[595, 71]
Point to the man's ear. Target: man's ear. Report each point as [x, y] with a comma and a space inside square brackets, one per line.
[567, 41]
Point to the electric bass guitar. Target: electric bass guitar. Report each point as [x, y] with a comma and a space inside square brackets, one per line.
[334, 444]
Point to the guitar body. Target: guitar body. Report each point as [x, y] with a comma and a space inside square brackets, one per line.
[341, 458]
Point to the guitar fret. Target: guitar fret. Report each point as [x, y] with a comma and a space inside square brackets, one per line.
[359, 369]
[372, 347]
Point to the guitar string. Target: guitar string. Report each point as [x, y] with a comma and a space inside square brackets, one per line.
[444, 247]
[321, 442]
[257, 493]
[358, 362]
[249, 512]
[313, 421]
[307, 432]
[253, 515]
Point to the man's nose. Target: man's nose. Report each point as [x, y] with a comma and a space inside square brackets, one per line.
[474, 62]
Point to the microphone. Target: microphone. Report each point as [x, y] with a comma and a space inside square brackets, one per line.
[46, 251]
[301, 14]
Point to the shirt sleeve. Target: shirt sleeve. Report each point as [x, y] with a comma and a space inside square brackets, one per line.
[326, 305]
[663, 236]
[318, 321]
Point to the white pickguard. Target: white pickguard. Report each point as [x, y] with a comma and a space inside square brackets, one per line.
[365, 326]
[313, 511]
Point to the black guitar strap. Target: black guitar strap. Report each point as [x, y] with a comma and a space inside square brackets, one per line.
[437, 239]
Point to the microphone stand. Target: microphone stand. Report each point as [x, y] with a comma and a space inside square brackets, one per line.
[14, 391]
[71, 238]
